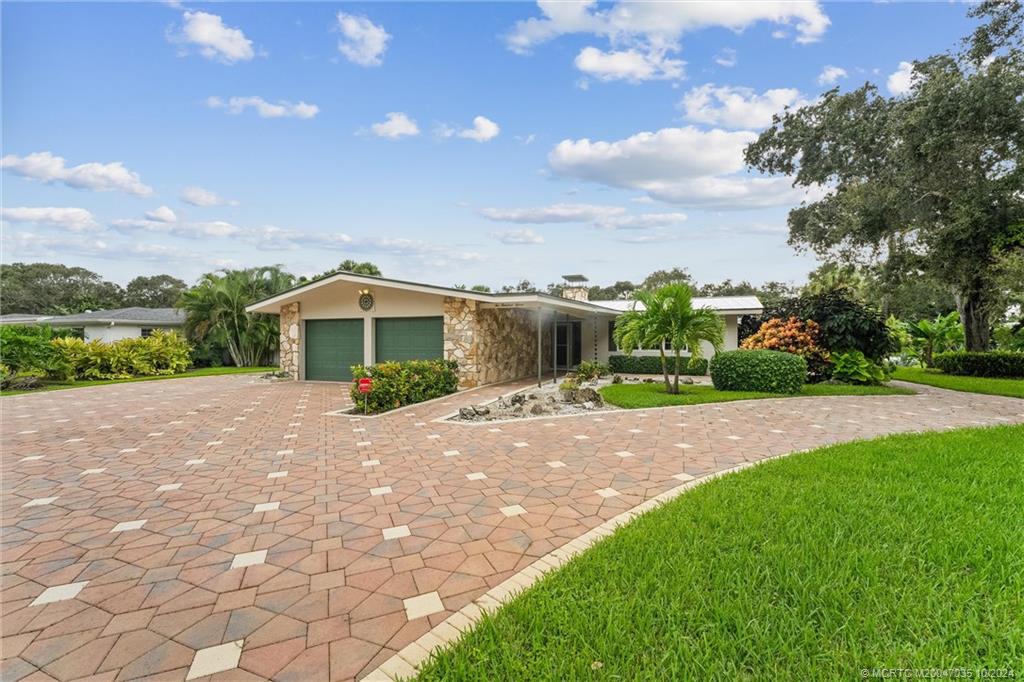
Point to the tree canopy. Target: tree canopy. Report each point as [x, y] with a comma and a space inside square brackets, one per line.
[158, 291]
[930, 181]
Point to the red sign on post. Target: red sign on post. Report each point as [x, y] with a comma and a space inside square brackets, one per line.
[365, 385]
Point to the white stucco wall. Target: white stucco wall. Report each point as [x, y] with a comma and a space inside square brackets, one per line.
[731, 335]
[110, 333]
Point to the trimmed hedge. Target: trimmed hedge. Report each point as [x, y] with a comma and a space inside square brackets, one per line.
[998, 363]
[758, 370]
[651, 364]
[403, 383]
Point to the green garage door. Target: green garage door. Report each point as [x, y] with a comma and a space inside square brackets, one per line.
[332, 347]
[409, 338]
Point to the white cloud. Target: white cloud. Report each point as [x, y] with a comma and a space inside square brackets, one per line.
[188, 230]
[831, 74]
[163, 214]
[197, 196]
[362, 42]
[556, 213]
[726, 58]
[629, 65]
[901, 80]
[71, 219]
[641, 34]
[99, 177]
[736, 107]
[214, 39]
[684, 166]
[483, 129]
[642, 221]
[397, 125]
[602, 216]
[28, 244]
[265, 109]
[518, 237]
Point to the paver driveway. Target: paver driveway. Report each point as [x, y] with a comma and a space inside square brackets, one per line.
[179, 528]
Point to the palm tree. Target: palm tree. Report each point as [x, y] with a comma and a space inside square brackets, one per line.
[215, 310]
[668, 315]
[935, 336]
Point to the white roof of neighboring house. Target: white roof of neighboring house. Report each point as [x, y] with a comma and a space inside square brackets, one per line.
[156, 317]
[733, 305]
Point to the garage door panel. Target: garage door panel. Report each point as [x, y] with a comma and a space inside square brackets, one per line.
[332, 347]
[409, 338]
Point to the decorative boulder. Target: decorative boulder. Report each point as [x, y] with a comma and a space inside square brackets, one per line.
[467, 413]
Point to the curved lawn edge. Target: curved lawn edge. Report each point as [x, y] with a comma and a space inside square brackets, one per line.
[1010, 388]
[642, 396]
[191, 374]
[486, 644]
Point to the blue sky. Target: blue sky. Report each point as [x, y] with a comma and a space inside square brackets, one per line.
[451, 143]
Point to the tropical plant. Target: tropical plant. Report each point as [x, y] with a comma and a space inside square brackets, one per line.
[795, 336]
[215, 309]
[668, 316]
[589, 370]
[934, 336]
[403, 383]
[853, 367]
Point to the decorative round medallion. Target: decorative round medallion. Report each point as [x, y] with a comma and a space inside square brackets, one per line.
[366, 301]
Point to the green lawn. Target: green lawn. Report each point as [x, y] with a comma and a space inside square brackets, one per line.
[202, 372]
[1013, 388]
[654, 395]
[901, 552]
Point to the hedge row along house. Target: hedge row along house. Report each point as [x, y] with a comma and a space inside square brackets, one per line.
[345, 319]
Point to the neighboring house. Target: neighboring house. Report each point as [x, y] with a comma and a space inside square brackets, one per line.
[110, 325]
[346, 319]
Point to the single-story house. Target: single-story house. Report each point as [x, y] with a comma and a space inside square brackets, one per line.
[346, 319]
[110, 325]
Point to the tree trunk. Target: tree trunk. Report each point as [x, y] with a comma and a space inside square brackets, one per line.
[974, 315]
[675, 381]
[664, 368]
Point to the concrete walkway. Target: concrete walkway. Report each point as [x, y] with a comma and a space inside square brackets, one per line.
[229, 529]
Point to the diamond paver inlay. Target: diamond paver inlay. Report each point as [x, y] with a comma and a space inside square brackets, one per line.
[241, 555]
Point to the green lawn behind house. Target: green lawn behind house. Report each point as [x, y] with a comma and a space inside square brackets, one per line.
[1013, 388]
[201, 372]
[653, 395]
[901, 552]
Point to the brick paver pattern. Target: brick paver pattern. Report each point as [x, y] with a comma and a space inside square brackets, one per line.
[225, 528]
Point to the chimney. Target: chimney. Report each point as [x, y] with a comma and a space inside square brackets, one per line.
[576, 288]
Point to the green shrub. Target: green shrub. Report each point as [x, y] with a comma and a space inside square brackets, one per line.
[758, 370]
[403, 383]
[589, 370]
[651, 364]
[853, 368]
[27, 348]
[161, 353]
[569, 385]
[992, 364]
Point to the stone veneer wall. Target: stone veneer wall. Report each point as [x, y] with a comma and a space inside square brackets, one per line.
[290, 341]
[492, 344]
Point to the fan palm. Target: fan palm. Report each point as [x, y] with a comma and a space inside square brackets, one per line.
[215, 310]
[668, 315]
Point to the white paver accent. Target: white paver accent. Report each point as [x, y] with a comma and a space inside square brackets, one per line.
[59, 593]
[215, 659]
[396, 532]
[249, 559]
[423, 605]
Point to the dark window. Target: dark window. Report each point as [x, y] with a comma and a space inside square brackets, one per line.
[146, 332]
[611, 336]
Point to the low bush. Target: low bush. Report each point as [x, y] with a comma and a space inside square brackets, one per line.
[1009, 364]
[38, 352]
[589, 370]
[569, 385]
[651, 364]
[758, 370]
[795, 336]
[854, 368]
[403, 383]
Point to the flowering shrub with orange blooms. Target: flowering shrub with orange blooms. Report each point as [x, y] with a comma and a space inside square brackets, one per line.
[795, 336]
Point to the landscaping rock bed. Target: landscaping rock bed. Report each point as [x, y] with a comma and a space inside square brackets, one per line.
[548, 400]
